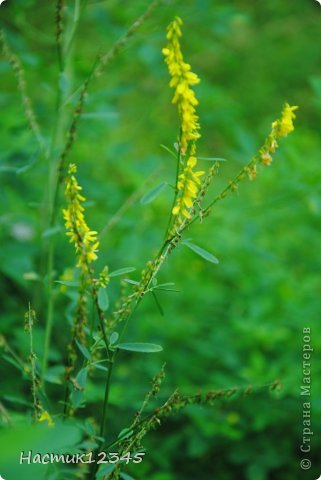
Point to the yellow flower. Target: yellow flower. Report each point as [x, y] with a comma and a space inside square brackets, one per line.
[188, 184]
[182, 78]
[284, 125]
[45, 416]
[280, 128]
[84, 239]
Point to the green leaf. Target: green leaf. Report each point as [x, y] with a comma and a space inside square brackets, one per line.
[77, 394]
[100, 367]
[68, 283]
[113, 338]
[83, 350]
[81, 377]
[212, 159]
[152, 194]
[125, 476]
[103, 300]
[201, 252]
[140, 347]
[49, 232]
[16, 400]
[55, 374]
[125, 433]
[105, 469]
[169, 151]
[160, 308]
[133, 282]
[12, 361]
[122, 271]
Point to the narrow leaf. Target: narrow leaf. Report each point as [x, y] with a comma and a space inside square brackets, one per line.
[169, 151]
[122, 271]
[167, 289]
[83, 350]
[100, 367]
[105, 469]
[140, 347]
[12, 361]
[160, 308]
[201, 252]
[125, 476]
[132, 282]
[68, 283]
[152, 194]
[16, 400]
[49, 232]
[212, 159]
[125, 433]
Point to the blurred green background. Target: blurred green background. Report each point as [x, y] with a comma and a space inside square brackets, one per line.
[236, 323]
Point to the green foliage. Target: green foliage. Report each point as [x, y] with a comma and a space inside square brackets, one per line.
[139, 347]
[237, 323]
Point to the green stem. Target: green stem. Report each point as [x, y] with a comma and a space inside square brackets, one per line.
[50, 307]
[51, 248]
[162, 248]
[106, 398]
[76, 18]
[53, 204]
[103, 419]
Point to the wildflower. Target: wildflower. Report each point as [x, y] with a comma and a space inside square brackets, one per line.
[84, 239]
[45, 416]
[284, 125]
[280, 128]
[188, 183]
[182, 78]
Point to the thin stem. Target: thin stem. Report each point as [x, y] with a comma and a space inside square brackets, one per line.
[76, 18]
[106, 398]
[59, 33]
[50, 307]
[104, 416]
[51, 248]
[52, 206]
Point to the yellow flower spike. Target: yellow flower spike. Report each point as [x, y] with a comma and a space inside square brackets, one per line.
[284, 125]
[182, 79]
[187, 184]
[280, 128]
[84, 239]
